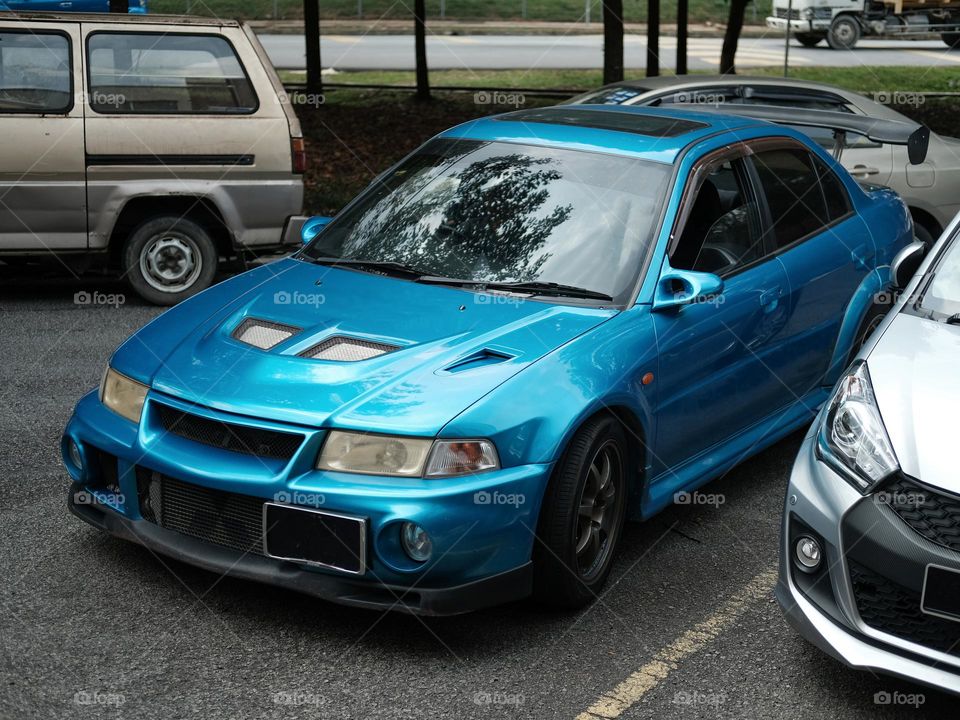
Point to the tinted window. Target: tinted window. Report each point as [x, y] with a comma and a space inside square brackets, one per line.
[167, 74]
[505, 212]
[723, 231]
[835, 194]
[791, 184]
[34, 72]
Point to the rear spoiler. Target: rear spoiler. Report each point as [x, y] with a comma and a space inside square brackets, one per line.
[892, 132]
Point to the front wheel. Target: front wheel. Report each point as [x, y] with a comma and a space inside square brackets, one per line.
[582, 516]
[167, 259]
[844, 33]
[951, 40]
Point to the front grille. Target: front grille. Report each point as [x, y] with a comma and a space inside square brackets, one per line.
[893, 609]
[222, 518]
[782, 13]
[933, 514]
[228, 436]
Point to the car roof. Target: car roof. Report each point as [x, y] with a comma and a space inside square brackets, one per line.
[643, 132]
[666, 82]
[118, 18]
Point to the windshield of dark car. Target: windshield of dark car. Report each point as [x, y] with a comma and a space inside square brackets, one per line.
[504, 212]
[942, 296]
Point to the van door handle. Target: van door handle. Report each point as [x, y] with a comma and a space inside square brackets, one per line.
[769, 299]
[864, 170]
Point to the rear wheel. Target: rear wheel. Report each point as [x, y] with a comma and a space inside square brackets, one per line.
[167, 259]
[582, 516]
[808, 39]
[844, 33]
[951, 40]
[870, 322]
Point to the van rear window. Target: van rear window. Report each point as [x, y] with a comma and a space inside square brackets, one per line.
[166, 74]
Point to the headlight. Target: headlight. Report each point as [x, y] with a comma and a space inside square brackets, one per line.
[373, 454]
[402, 456]
[852, 437]
[122, 395]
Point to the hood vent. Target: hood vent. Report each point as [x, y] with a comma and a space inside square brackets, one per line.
[263, 334]
[347, 349]
[478, 359]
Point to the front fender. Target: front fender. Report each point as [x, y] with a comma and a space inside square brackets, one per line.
[875, 288]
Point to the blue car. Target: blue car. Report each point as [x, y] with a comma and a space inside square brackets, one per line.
[533, 327]
[138, 7]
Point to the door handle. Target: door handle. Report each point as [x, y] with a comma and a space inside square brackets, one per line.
[864, 170]
[769, 299]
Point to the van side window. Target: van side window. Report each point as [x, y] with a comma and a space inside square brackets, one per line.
[34, 72]
[166, 74]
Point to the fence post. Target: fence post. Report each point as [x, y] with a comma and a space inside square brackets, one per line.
[523, 9]
[586, 11]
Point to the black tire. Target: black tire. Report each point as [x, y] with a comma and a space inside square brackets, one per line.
[559, 576]
[808, 39]
[168, 258]
[844, 32]
[951, 40]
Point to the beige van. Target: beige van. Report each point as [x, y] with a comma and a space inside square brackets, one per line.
[152, 145]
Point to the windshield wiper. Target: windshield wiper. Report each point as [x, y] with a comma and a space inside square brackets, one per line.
[531, 287]
[380, 266]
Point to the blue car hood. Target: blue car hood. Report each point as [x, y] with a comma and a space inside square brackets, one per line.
[455, 346]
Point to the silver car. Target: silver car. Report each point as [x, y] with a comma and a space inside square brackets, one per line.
[870, 552]
[930, 189]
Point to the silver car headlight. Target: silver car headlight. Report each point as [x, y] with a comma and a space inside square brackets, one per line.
[852, 436]
[368, 454]
[122, 395]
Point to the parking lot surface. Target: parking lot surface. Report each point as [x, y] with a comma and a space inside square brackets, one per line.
[92, 626]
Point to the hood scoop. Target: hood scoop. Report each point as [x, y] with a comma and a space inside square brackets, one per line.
[347, 349]
[479, 359]
[263, 334]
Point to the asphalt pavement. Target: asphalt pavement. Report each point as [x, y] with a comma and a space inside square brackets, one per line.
[544, 52]
[92, 626]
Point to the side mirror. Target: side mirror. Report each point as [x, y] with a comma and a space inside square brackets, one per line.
[684, 287]
[906, 263]
[312, 227]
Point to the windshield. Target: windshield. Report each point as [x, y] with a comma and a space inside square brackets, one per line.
[942, 296]
[502, 212]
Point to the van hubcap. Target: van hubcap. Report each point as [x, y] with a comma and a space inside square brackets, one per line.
[170, 262]
[598, 511]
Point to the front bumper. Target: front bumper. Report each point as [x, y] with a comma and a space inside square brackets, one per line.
[816, 26]
[482, 526]
[832, 609]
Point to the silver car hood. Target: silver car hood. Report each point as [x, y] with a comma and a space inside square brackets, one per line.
[914, 368]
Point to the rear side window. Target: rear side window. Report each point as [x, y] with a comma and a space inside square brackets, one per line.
[791, 183]
[166, 74]
[34, 73]
[835, 194]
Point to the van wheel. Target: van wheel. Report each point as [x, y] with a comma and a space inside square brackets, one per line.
[808, 39]
[167, 259]
[844, 33]
[951, 40]
[582, 516]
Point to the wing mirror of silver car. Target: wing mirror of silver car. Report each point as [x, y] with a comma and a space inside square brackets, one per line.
[687, 287]
[313, 226]
[906, 263]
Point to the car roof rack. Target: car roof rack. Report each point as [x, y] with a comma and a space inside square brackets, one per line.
[893, 132]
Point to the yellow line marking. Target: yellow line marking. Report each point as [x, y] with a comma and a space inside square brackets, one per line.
[614, 703]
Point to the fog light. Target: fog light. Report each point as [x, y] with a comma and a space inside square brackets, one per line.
[73, 452]
[809, 553]
[416, 542]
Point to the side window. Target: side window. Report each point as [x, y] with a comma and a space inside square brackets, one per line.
[34, 73]
[157, 74]
[835, 194]
[723, 231]
[791, 184]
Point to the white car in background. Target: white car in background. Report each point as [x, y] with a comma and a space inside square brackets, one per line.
[930, 189]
